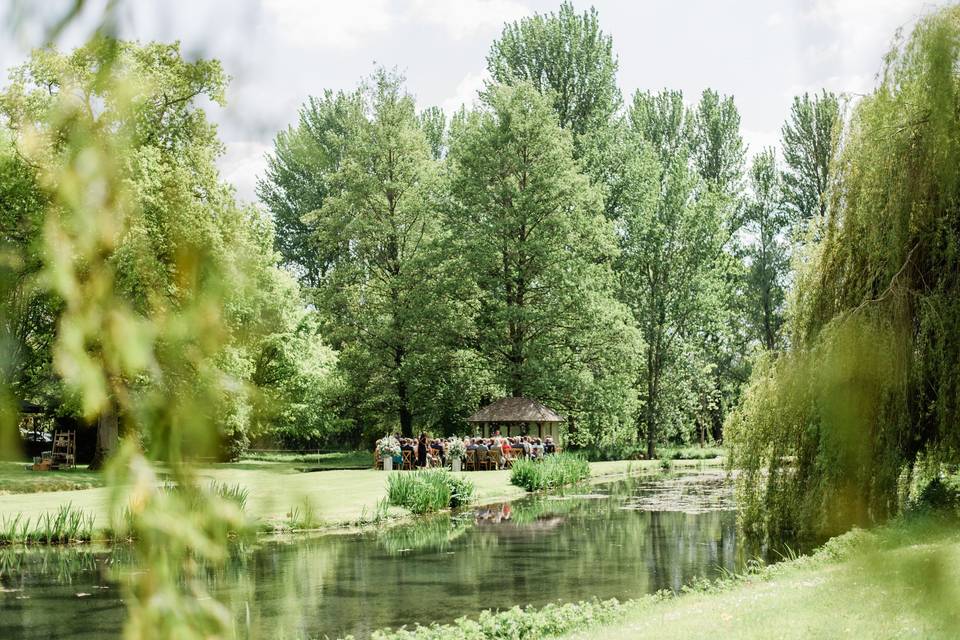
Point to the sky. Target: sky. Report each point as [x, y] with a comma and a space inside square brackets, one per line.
[279, 52]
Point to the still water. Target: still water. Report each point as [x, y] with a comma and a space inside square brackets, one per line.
[619, 540]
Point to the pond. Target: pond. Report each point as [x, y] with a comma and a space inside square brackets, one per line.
[618, 540]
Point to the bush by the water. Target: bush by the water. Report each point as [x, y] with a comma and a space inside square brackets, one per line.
[520, 624]
[429, 490]
[549, 473]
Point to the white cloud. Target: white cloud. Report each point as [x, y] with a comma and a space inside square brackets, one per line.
[463, 18]
[242, 163]
[466, 91]
[345, 24]
[757, 141]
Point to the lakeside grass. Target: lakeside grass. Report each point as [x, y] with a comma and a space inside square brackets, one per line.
[909, 590]
[334, 499]
[898, 581]
[15, 477]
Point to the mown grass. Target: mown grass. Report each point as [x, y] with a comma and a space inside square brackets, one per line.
[316, 461]
[549, 473]
[16, 478]
[429, 490]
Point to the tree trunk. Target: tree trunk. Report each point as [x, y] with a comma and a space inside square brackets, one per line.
[108, 436]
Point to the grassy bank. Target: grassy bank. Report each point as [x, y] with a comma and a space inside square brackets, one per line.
[278, 492]
[899, 582]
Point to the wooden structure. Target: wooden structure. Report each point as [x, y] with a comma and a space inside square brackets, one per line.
[518, 416]
[62, 456]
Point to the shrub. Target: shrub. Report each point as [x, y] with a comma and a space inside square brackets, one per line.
[549, 473]
[522, 624]
[428, 490]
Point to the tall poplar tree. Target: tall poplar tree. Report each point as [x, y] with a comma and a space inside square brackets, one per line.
[531, 236]
[378, 220]
[808, 148]
[672, 235]
[767, 224]
[567, 57]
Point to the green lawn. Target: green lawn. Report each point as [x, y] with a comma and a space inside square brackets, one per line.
[16, 478]
[909, 590]
[336, 498]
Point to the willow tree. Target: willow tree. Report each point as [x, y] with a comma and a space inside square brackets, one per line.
[870, 384]
[529, 233]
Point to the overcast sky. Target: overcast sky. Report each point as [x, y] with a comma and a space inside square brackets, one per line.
[278, 52]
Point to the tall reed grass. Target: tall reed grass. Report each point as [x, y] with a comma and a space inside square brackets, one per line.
[549, 473]
[429, 490]
[64, 526]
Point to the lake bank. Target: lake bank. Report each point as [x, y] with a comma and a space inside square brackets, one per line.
[334, 499]
[896, 581]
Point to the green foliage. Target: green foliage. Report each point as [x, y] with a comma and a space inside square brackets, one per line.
[767, 221]
[551, 472]
[809, 141]
[566, 57]
[517, 623]
[64, 526]
[428, 490]
[676, 221]
[870, 383]
[525, 230]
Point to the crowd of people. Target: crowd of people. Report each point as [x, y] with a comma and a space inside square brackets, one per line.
[426, 451]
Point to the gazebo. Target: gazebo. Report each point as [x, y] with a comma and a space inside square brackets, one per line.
[518, 416]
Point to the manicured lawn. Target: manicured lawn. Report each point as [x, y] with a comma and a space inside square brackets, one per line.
[910, 591]
[335, 498]
[16, 478]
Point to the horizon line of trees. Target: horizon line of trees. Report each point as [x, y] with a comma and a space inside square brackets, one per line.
[620, 261]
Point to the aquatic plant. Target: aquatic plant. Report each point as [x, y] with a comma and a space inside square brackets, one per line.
[549, 473]
[428, 490]
[64, 526]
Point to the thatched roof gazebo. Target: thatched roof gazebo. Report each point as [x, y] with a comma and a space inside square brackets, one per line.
[516, 416]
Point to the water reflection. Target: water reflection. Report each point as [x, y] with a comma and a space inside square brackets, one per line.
[608, 543]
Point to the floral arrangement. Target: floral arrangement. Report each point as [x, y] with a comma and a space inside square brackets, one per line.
[388, 447]
[456, 448]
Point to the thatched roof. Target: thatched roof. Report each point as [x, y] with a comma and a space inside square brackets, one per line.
[515, 410]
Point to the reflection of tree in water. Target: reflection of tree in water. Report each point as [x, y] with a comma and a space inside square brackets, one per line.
[532, 551]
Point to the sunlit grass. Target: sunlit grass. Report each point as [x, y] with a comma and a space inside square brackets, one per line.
[15, 477]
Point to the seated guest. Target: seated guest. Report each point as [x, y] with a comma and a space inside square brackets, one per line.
[482, 445]
[536, 448]
[548, 446]
[471, 444]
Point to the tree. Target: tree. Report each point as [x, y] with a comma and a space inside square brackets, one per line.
[529, 232]
[864, 401]
[433, 122]
[165, 247]
[808, 149]
[378, 219]
[673, 235]
[567, 57]
[767, 225]
[297, 180]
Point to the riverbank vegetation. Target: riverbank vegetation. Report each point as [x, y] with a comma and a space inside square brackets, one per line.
[429, 490]
[617, 257]
[833, 432]
[887, 572]
[550, 472]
